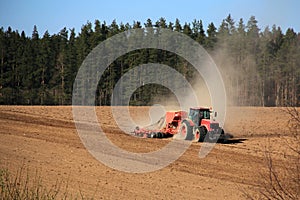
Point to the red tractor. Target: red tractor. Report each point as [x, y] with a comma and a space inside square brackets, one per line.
[194, 126]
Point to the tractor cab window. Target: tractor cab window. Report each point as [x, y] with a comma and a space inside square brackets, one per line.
[205, 114]
[194, 114]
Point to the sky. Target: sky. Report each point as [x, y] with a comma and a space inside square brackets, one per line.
[54, 15]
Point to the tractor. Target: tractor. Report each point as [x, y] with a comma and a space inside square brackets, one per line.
[193, 126]
[199, 124]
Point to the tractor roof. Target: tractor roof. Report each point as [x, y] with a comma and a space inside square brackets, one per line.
[200, 108]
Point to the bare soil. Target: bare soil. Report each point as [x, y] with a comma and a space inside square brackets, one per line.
[45, 139]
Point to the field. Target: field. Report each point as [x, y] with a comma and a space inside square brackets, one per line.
[44, 139]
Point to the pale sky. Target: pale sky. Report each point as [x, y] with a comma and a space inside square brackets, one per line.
[54, 15]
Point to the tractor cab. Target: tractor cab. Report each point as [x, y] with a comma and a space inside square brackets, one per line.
[199, 113]
[202, 123]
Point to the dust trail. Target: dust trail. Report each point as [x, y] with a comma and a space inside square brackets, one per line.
[170, 102]
[232, 74]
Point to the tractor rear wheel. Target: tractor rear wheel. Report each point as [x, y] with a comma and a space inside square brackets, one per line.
[196, 133]
[185, 131]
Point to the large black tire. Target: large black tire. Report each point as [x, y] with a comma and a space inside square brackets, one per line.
[185, 131]
[159, 135]
[152, 135]
[213, 138]
[199, 134]
[203, 132]
[222, 138]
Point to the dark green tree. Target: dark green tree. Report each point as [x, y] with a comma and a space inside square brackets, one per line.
[198, 31]
[260, 68]
[211, 39]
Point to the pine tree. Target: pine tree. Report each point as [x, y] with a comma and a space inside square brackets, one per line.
[287, 59]
[148, 24]
[198, 31]
[45, 69]
[211, 39]
[230, 25]
[2, 54]
[97, 35]
[161, 23]
[177, 26]
[275, 45]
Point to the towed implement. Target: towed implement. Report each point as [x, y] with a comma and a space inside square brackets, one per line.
[195, 125]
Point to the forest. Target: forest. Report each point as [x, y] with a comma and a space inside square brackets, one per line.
[260, 66]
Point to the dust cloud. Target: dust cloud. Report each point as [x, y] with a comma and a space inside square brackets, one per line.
[232, 75]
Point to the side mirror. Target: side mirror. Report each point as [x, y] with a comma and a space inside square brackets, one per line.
[216, 114]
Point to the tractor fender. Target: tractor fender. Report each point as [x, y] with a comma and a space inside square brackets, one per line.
[206, 124]
[191, 123]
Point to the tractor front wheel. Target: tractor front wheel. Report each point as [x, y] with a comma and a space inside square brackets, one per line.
[202, 132]
[199, 134]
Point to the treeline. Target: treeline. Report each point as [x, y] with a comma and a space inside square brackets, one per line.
[260, 67]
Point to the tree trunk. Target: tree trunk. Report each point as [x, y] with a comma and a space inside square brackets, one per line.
[62, 85]
[43, 86]
[62, 78]
[277, 94]
[2, 63]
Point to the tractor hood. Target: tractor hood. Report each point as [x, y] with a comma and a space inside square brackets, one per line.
[209, 124]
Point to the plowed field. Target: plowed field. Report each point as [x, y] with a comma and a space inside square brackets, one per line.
[44, 139]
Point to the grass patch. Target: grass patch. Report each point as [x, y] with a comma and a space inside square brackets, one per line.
[23, 186]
